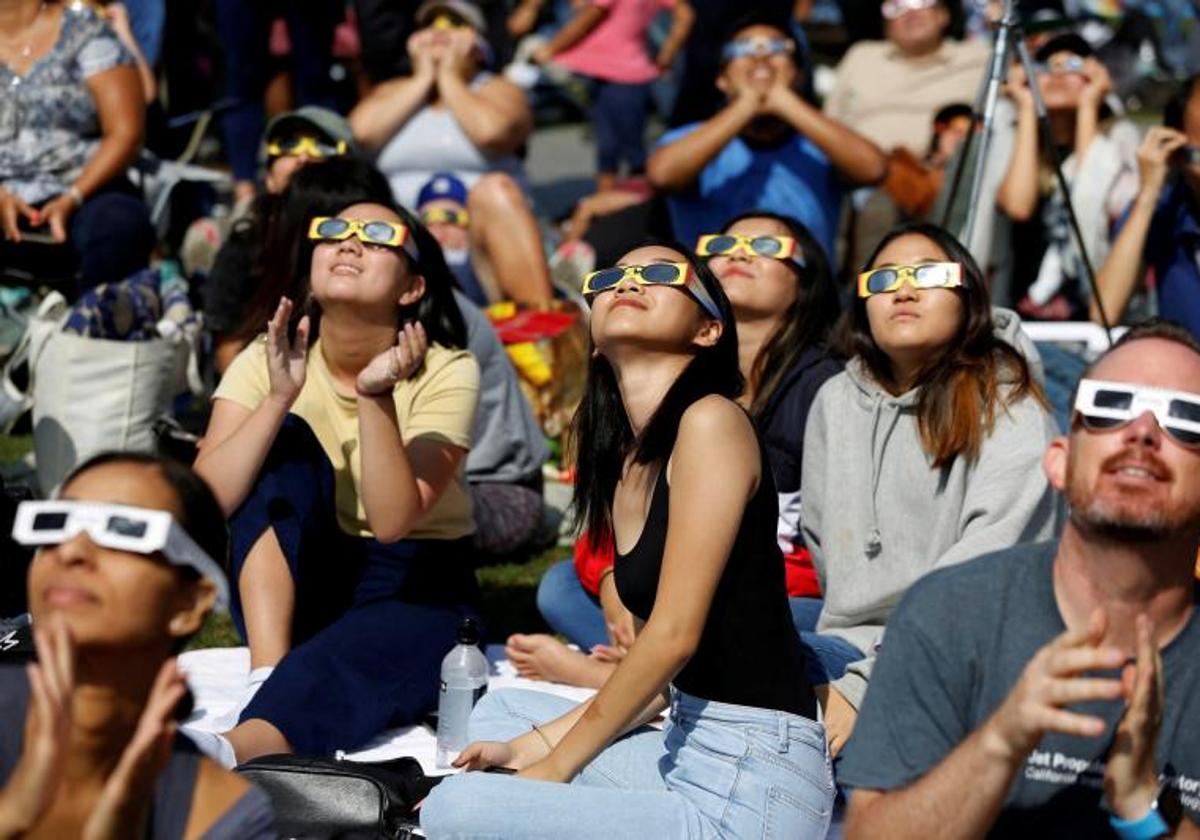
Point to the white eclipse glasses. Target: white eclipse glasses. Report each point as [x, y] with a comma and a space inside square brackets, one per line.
[119, 527]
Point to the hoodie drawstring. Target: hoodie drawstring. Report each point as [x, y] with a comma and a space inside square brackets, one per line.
[874, 542]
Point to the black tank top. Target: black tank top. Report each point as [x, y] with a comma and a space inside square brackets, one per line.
[749, 652]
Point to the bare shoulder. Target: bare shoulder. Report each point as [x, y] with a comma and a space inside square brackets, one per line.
[217, 790]
[714, 414]
[720, 429]
[716, 437]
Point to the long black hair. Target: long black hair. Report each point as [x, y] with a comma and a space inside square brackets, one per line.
[602, 438]
[966, 382]
[327, 189]
[809, 319]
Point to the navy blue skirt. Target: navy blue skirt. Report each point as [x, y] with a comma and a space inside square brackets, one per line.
[372, 621]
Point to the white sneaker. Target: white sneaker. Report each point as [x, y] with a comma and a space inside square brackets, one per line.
[212, 744]
[257, 677]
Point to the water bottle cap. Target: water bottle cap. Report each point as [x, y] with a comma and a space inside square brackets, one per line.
[468, 632]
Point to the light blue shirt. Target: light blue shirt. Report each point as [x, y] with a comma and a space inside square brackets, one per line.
[794, 179]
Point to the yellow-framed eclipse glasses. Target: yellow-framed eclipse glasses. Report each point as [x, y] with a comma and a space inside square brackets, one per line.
[306, 144]
[653, 274]
[934, 275]
[445, 216]
[775, 247]
[366, 231]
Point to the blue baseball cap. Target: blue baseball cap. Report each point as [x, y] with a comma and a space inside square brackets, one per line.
[443, 185]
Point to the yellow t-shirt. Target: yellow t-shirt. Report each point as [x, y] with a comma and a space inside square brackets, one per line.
[439, 403]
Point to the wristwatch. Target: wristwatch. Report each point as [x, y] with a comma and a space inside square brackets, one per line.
[1164, 815]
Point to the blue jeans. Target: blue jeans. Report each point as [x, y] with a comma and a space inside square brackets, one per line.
[147, 19]
[827, 657]
[569, 609]
[717, 770]
[1064, 369]
[244, 28]
[619, 119]
[805, 612]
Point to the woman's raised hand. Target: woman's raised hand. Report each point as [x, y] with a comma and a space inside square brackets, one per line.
[400, 361]
[34, 781]
[287, 361]
[125, 800]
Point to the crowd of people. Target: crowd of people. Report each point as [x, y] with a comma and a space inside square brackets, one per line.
[848, 548]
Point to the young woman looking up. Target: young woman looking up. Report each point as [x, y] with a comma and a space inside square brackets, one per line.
[341, 466]
[128, 564]
[785, 302]
[697, 564]
[923, 453]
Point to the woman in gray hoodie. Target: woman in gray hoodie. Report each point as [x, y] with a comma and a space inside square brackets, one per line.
[923, 453]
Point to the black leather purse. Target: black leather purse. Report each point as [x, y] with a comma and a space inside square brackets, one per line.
[323, 799]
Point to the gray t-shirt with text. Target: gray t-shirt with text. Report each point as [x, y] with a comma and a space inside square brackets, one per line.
[954, 649]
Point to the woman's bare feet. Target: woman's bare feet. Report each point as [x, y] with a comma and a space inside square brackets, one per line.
[538, 656]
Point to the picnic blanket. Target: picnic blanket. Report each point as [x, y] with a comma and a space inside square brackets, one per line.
[217, 677]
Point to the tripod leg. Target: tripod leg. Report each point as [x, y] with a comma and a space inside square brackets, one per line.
[1047, 141]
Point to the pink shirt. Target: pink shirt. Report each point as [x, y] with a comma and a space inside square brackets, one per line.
[615, 50]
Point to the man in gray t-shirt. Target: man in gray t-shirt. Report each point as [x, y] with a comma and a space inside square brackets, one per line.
[1052, 689]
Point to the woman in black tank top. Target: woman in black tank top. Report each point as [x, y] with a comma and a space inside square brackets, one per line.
[670, 469]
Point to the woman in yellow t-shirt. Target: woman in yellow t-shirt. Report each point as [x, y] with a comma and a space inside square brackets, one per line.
[340, 464]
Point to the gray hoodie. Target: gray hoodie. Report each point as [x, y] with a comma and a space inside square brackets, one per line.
[877, 516]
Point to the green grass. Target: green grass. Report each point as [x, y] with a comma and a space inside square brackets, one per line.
[509, 602]
[13, 448]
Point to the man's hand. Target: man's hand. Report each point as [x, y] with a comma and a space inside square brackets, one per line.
[1052, 680]
[840, 717]
[1131, 780]
[12, 209]
[1154, 157]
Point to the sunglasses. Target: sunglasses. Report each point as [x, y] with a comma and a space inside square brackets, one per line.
[757, 47]
[937, 275]
[119, 527]
[1103, 406]
[445, 216]
[893, 9]
[655, 274]
[390, 234]
[445, 21]
[1070, 64]
[775, 247]
[306, 144]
